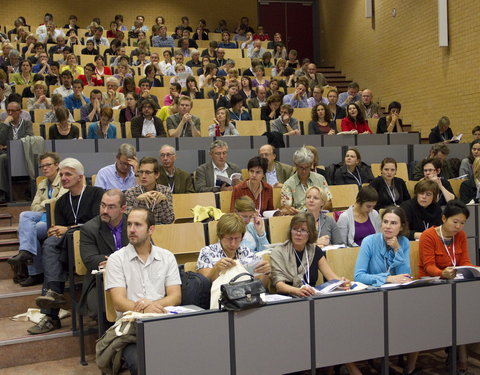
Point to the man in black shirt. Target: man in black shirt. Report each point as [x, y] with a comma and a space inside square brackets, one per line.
[73, 209]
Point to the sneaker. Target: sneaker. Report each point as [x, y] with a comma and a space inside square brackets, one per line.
[45, 325]
[51, 300]
[32, 280]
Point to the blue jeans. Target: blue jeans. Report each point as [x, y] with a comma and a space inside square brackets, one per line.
[130, 357]
[30, 232]
[54, 268]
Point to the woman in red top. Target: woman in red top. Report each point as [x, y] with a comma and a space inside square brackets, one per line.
[255, 188]
[444, 247]
[89, 78]
[354, 122]
[100, 68]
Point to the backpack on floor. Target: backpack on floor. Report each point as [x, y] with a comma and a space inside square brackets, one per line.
[195, 289]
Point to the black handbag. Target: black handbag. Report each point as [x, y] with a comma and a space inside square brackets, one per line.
[241, 295]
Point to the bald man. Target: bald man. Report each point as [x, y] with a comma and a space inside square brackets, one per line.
[177, 180]
[369, 108]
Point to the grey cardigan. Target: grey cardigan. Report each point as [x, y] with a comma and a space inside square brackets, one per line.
[329, 227]
[346, 225]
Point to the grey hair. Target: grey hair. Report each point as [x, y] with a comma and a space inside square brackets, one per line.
[170, 147]
[73, 164]
[230, 61]
[126, 149]
[218, 143]
[13, 52]
[303, 156]
[112, 80]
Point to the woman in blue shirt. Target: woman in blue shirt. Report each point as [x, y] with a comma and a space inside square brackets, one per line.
[103, 128]
[255, 237]
[385, 258]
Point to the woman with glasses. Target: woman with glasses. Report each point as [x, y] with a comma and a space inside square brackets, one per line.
[255, 237]
[223, 255]
[32, 227]
[89, 78]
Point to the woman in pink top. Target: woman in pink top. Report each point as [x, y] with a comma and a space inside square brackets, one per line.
[354, 122]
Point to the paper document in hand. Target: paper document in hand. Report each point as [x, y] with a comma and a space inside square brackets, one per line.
[276, 297]
[468, 272]
[456, 138]
[250, 267]
[329, 286]
[423, 280]
[227, 180]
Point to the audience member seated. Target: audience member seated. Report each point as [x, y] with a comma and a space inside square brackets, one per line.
[438, 151]
[206, 174]
[112, 98]
[126, 285]
[183, 123]
[285, 124]
[322, 122]
[441, 249]
[255, 188]
[24, 115]
[354, 123]
[72, 65]
[259, 79]
[293, 190]
[167, 111]
[147, 125]
[277, 173]
[353, 170]
[53, 76]
[57, 102]
[180, 76]
[149, 194]
[296, 262]
[86, 199]
[432, 169]
[246, 89]
[121, 174]
[271, 110]
[225, 100]
[361, 219]
[42, 65]
[131, 110]
[122, 72]
[466, 166]
[391, 123]
[76, 100]
[350, 96]
[91, 111]
[255, 237]
[32, 226]
[90, 49]
[336, 111]
[260, 100]
[224, 254]
[299, 99]
[100, 68]
[25, 76]
[222, 126]
[89, 78]
[237, 111]
[151, 75]
[391, 190]
[63, 129]
[369, 108]
[66, 88]
[145, 93]
[422, 210]
[442, 133]
[162, 39]
[470, 189]
[103, 129]
[476, 132]
[174, 92]
[192, 89]
[327, 229]
[226, 42]
[98, 38]
[279, 69]
[317, 98]
[177, 180]
[40, 100]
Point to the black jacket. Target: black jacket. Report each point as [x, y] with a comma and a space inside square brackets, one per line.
[384, 197]
[420, 218]
[435, 136]
[341, 176]
[468, 191]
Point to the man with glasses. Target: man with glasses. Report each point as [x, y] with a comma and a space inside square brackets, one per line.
[206, 174]
[149, 194]
[12, 128]
[121, 174]
[177, 180]
[183, 123]
[32, 226]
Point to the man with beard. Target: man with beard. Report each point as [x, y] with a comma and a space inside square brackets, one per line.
[100, 237]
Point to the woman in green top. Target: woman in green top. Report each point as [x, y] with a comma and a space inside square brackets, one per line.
[25, 76]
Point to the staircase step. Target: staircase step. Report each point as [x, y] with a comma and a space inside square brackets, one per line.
[20, 348]
[9, 244]
[5, 217]
[66, 366]
[16, 299]
[5, 269]
[8, 232]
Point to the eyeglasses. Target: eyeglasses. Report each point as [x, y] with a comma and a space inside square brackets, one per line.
[232, 239]
[166, 155]
[300, 231]
[13, 110]
[48, 165]
[148, 173]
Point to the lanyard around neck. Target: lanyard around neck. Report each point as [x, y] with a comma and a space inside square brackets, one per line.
[75, 212]
[359, 179]
[306, 270]
[452, 259]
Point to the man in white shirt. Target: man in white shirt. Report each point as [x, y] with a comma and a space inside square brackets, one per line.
[142, 277]
[98, 39]
[66, 88]
[48, 33]
[256, 51]
[178, 59]
[277, 173]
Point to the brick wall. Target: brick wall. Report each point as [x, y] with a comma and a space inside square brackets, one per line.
[399, 58]
[85, 10]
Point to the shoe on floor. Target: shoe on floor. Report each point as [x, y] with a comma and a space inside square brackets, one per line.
[23, 257]
[32, 280]
[51, 300]
[45, 325]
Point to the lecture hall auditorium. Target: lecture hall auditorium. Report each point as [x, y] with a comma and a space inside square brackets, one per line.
[394, 52]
